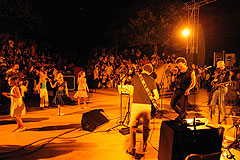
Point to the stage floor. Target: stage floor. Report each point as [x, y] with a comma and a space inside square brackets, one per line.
[49, 136]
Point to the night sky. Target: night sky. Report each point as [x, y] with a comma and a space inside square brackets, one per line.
[79, 25]
[220, 21]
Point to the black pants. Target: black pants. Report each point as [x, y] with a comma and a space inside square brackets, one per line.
[179, 102]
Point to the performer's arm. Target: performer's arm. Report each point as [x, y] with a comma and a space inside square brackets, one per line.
[230, 75]
[131, 91]
[193, 82]
[66, 89]
[52, 85]
[156, 95]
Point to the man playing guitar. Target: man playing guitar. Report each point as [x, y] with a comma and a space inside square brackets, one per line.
[143, 85]
[220, 87]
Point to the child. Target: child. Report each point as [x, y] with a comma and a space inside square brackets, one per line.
[42, 88]
[82, 89]
[17, 105]
[61, 92]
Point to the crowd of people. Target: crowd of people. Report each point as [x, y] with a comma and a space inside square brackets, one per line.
[106, 69]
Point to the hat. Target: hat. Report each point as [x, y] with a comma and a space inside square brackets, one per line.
[220, 64]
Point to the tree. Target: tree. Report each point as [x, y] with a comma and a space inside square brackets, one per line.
[155, 24]
[17, 16]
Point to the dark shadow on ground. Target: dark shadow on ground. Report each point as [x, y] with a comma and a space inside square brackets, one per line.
[51, 150]
[6, 122]
[59, 127]
[109, 94]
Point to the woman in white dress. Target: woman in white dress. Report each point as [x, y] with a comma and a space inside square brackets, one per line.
[18, 108]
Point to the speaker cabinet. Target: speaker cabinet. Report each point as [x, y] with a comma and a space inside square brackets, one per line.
[70, 82]
[217, 56]
[178, 141]
[91, 120]
[230, 59]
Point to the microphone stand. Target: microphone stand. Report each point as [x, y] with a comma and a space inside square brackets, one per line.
[161, 90]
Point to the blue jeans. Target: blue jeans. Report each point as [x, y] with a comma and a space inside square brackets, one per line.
[220, 93]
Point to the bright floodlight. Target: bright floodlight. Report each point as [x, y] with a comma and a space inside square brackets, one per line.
[186, 32]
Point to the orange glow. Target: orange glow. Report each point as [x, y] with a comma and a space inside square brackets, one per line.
[186, 32]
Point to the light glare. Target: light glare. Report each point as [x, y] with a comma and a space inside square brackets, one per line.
[185, 32]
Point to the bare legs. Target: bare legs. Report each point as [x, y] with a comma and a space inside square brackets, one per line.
[20, 124]
[84, 102]
[59, 110]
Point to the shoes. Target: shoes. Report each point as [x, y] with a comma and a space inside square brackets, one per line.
[181, 118]
[144, 149]
[60, 114]
[21, 129]
[42, 108]
[139, 130]
[131, 151]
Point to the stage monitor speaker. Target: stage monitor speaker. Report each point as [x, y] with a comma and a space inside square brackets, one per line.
[70, 82]
[232, 97]
[217, 56]
[230, 59]
[92, 119]
[177, 141]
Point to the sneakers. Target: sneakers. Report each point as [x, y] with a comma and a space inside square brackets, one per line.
[131, 151]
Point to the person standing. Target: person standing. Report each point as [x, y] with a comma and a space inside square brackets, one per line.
[42, 88]
[61, 92]
[17, 109]
[96, 77]
[141, 106]
[184, 81]
[82, 89]
[220, 87]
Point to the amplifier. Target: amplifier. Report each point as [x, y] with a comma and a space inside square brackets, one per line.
[178, 141]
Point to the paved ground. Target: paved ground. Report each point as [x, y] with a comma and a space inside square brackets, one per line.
[49, 136]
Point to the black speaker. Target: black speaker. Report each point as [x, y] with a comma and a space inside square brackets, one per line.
[230, 59]
[92, 119]
[218, 56]
[178, 141]
[232, 96]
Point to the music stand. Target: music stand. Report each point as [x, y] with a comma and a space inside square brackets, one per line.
[123, 89]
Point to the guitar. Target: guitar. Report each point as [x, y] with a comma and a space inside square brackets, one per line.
[224, 84]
